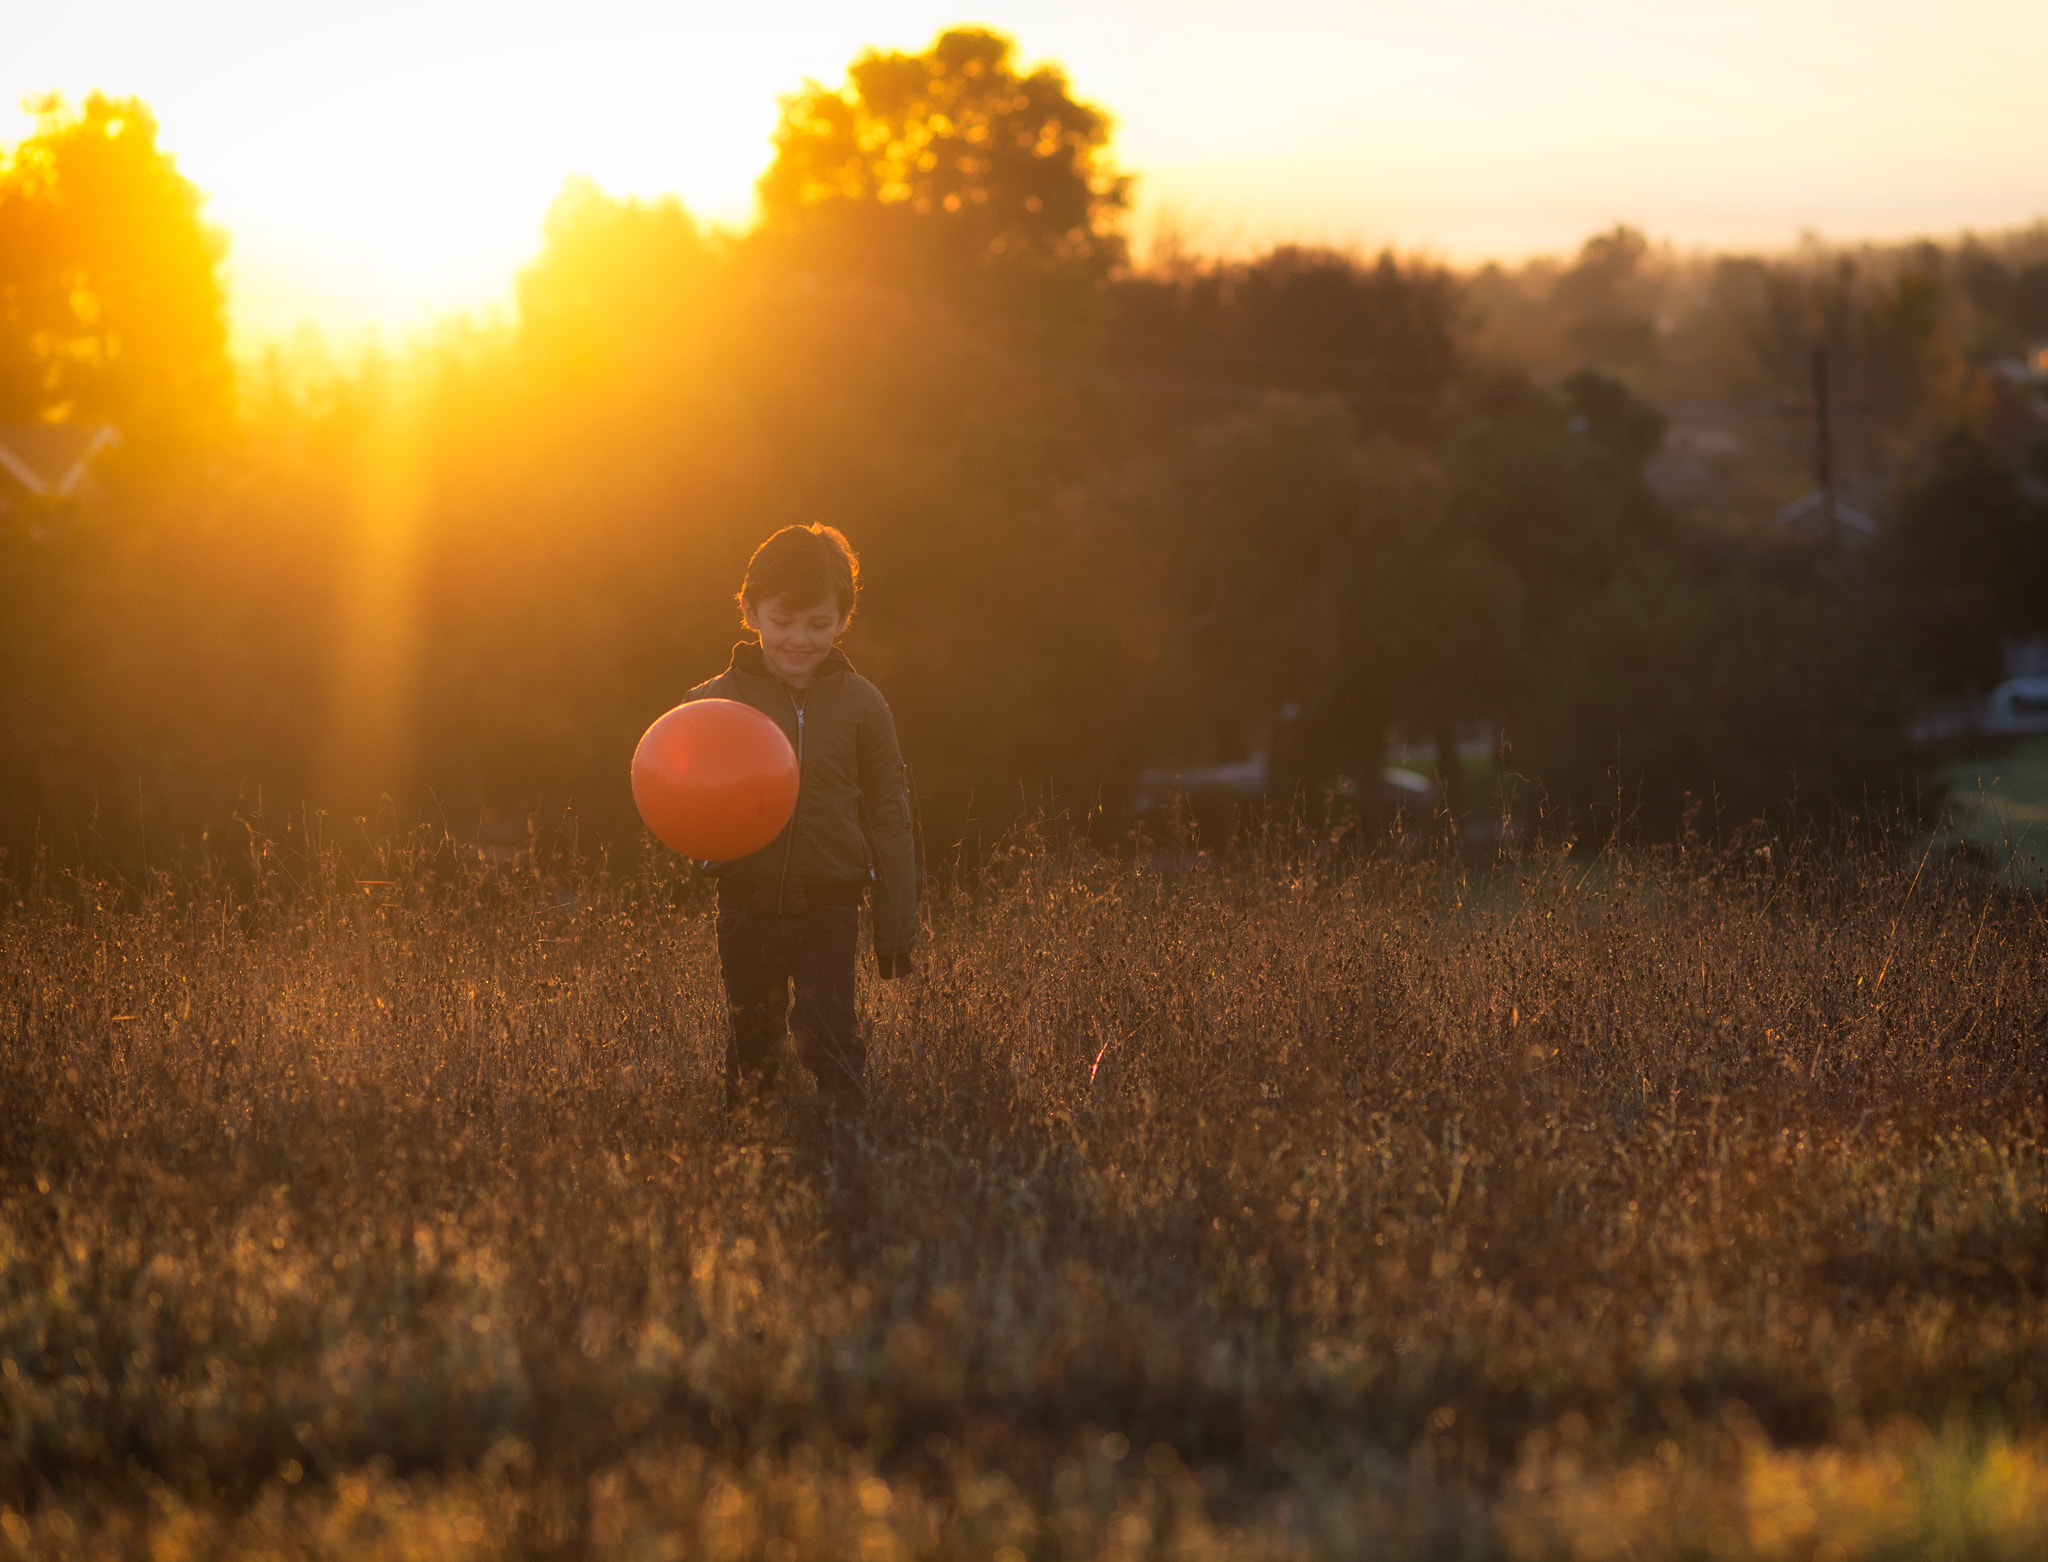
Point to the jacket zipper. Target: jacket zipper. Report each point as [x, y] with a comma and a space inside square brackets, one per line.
[789, 841]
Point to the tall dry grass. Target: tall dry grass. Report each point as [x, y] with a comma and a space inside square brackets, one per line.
[1677, 1203]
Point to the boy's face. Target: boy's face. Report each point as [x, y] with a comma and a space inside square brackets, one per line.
[794, 639]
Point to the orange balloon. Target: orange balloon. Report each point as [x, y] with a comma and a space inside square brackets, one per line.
[715, 779]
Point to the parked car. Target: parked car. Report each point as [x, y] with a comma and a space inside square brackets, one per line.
[2019, 705]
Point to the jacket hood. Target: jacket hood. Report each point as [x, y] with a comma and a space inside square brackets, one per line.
[747, 658]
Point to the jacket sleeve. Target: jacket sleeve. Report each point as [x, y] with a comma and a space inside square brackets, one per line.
[885, 816]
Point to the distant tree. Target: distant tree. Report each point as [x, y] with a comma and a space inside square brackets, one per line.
[1294, 566]
[1651, 666]
[947, 165]
[111, 303]
[1608, 300]
[1910, 371]
[1613, 417]
[1894, 375]
[1383, 335]
[1556, 493]
[1663, 690]
[614, 278]
[1453, 637]
[2010, 297]
[1256, 529]
[1964, 548]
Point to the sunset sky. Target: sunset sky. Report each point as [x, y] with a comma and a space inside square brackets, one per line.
[379, 162]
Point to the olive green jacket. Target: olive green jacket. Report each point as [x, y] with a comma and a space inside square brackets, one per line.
[852, 823]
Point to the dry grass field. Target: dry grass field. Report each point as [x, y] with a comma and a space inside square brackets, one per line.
[1680, 1204]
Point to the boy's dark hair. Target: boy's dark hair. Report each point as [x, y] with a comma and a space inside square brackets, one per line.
[802, 565]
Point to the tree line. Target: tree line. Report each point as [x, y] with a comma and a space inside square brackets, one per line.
[1114, 514]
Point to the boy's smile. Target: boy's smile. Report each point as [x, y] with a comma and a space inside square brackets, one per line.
[795, 640]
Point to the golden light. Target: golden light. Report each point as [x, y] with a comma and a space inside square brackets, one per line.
[368, 731]
[377, 166]
[380, 163]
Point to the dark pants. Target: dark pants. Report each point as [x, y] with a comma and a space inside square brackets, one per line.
[760, 954]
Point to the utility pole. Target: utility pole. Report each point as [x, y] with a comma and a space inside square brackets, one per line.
[1824, 454]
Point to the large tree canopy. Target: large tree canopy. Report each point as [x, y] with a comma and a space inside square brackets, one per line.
[947, 159]
[111, 303]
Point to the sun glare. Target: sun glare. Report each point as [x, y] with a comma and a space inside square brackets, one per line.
[379, 168]
[384, 163]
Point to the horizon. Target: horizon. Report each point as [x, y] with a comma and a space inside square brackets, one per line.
[1493, 133]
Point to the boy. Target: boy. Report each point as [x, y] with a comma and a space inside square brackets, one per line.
[791, 912]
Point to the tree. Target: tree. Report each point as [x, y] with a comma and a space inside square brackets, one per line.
[111, 304]
[948, 165]
[1964, 547]
[1882, 323]
[614, 277]
[1296, 567]
[1555, 490]
[2010, 298]
[1382, 335]
[1608, 297]
[1662, 689]
[1610, 416]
